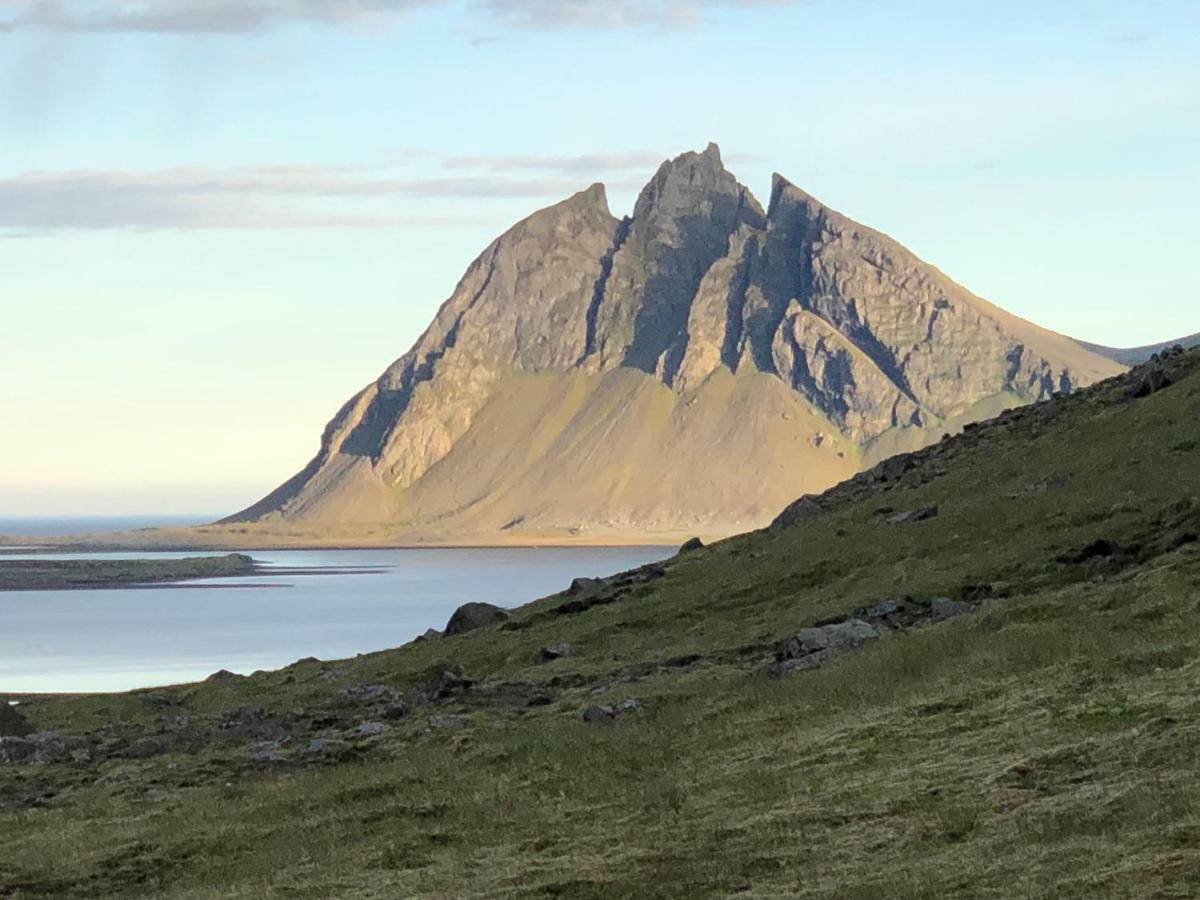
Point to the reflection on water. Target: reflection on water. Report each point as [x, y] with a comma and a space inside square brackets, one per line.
[134, 637]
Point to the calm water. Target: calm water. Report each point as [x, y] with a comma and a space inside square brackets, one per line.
[134, 637]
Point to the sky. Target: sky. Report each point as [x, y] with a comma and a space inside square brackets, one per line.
[221, 218]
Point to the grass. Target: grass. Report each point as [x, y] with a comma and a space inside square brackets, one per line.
[1044, 746]
[60, 574]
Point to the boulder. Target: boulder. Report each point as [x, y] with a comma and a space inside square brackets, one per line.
[595, 714]
[691, 544]
[811, 648]
[583, 585]
[12, 723]
[837, 637]
[554, 651]
[471, 616]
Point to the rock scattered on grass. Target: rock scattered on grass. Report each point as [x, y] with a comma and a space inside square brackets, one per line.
[913, 515]
[471, 616]
[945, 608]
[554, 651]
[811, 648]
[596, 714]
[449, 721]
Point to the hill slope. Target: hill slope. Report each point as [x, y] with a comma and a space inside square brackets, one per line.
[689, 368]
[1131, 356]
[1022, 722]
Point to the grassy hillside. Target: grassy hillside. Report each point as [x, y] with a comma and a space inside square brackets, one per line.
[1043, 744]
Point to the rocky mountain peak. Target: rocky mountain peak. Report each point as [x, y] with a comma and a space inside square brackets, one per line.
[851, 343]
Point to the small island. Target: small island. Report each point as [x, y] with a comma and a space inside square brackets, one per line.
[80, 574]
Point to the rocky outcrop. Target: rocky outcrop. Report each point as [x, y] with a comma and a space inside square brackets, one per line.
[764, 352]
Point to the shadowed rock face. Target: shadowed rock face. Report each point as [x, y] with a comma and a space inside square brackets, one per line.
[869, 339]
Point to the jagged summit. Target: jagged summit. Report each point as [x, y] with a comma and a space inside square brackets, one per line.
[693, 366]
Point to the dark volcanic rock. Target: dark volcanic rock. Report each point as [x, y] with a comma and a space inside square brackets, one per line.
[12, 723]
[470, 616]
[691, 544]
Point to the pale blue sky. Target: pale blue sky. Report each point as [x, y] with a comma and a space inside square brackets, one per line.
[219, 220]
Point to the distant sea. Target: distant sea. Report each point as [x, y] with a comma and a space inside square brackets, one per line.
[56, 525]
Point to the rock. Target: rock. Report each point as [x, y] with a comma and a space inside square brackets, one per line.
[429, 634]
[811, 648]
[223, 675]
[266, 751]
[43, 748]
[12, 723]
[583, 585]
[594, 714]
[364, 693]
[446, 683]
[470, 616]
[370, 729]
[554, 651]
[147, 747]
[628, 705]
[1151, 383]
[691, 544]
[15, 750]
[914, 515]
[395, 710]
[945, 608]
[449, 721]
[836, 637]
[798, 511]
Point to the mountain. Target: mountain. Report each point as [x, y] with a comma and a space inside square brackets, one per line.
[692, 367]
[1131, 356]
[999, 698]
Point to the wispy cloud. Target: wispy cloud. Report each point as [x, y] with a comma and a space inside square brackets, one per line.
[262, 197]
[193, 16]
[303, 195]
[612, 13]
[581, 164]
[257, 16]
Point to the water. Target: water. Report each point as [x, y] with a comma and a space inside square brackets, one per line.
[123, 638]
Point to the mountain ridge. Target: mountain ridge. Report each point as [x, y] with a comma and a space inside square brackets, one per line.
[875, 348]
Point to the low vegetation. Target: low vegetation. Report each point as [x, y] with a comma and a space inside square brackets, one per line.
[1019, 717]
[57, 574]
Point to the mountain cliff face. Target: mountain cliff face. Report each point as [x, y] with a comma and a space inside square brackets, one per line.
[692, 367]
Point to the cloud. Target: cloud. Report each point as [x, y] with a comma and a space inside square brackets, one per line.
[581, 164]
[258, 197]
[612, 13]
[301, 195]
[194, 16]
[258, 16]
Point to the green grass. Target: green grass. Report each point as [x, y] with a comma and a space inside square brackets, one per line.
[45, 574]
[1044, 746]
